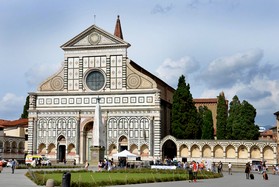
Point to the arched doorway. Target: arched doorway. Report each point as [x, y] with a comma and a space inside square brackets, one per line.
[112, 150]
[87, 140]
[123, 143]
[42, 149]
[169, 150]
[61, 144]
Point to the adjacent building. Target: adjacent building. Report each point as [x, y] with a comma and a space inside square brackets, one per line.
[13, 139]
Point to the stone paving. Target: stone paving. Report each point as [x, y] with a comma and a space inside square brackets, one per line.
[18, 179]
[7, 179]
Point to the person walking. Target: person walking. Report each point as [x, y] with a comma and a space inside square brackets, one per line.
[195, 171]
[230, 168]
[190, 172]
[247, 170]
[220, 167]
[13, 166]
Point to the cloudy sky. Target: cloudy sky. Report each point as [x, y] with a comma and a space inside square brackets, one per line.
[219, 45]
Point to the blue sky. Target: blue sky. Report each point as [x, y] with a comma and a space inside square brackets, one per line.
[219, 45]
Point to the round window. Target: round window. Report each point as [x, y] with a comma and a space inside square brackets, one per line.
[95, 80]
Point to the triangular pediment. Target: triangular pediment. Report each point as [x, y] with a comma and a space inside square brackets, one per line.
[94, 37]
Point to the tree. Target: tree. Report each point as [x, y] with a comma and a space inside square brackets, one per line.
[207, 123]
[185, 119]
[222, 115]
[233, 118]
[244, 127]
[25, 108]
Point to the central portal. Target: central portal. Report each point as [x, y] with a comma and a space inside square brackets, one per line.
[61, 144]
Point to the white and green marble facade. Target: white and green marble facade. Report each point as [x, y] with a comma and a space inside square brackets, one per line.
[62, 109]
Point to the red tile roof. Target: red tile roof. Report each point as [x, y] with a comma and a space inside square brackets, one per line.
[18, 122]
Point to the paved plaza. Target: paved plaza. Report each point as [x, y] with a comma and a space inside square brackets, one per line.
[7, 179]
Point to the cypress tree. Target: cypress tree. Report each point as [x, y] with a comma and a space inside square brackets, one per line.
[207, 123]
[233, 117]
[25, 108]
[222, 116]
[244, 127]
[185, 119]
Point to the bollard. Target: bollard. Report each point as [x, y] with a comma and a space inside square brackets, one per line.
[50, 183]
[66, 179]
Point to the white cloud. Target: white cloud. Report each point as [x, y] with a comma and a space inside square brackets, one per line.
[11, 106]
[171, 70]
[161, 9]
[227, 71]
[263, 94]
[39, 72]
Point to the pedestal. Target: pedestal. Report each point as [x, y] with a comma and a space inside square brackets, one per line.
[97, 154]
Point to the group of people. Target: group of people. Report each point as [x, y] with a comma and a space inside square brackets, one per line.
[193, 168]
[250, 175]
[13, 165]
[102, 164]
[106, 165]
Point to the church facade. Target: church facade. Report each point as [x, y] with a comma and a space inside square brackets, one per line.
[135, 109]
[135, 105]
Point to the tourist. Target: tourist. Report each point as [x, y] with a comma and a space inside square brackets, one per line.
[273, 169]
[265, 176]
[109, 165]
[213, 167]
[220, 167]
[195, 171]
[86, 165]
[190, 172]
[100, 165]
[247, 170]
[186, 165]
[230, 168]
[13, 166]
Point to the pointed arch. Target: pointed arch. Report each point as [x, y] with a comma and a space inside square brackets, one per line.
[123, 143]
[206, 151]
[169, 149]
[51, 149]
[255, 152]
[184, 151]
[134, 149]
[242, 151]
[195, 151]
[230, 152]
[218, 151]
[144, 151]
[42, 149]
[71, 150]
[112, 149]
[268, 153]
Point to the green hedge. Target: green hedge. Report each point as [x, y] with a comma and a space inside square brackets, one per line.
[115, 177]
